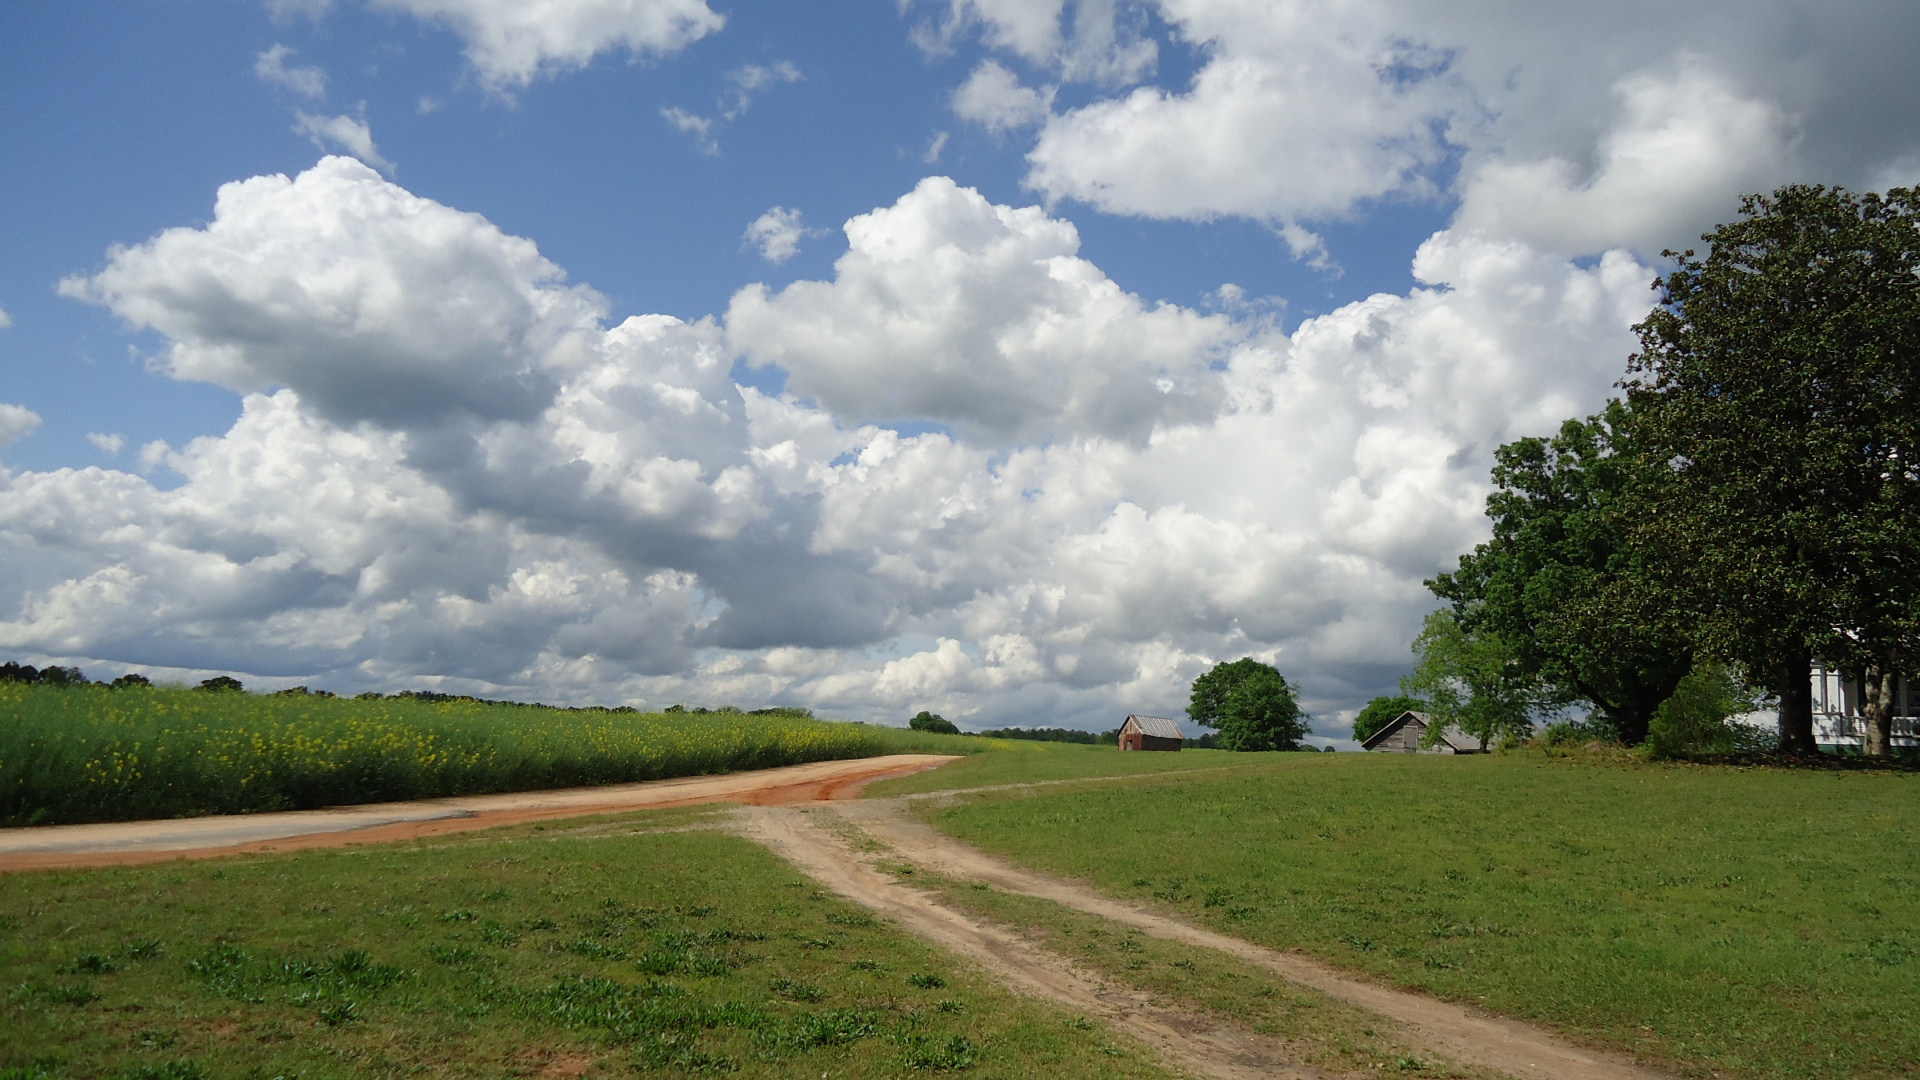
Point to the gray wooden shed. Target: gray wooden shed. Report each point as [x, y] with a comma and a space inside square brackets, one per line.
[1404, 734]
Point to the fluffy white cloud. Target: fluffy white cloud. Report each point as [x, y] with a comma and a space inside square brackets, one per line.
[109, 444]
[371, 302]
[6, 320]
[512, 42]
[1684, 146]
[1097, 44]
[1576, 126]
[352, 134]
[994, 98]
[644, 529]
[1303, 109]
[777, 233]
[271, 67]
[949, 308]
[16, 422]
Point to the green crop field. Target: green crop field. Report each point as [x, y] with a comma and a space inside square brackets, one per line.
[1754, 923]
[612, 945]
[91, 753]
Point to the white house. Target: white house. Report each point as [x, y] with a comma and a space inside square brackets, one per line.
[1837, 722]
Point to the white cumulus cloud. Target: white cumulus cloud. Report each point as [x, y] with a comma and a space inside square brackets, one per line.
[949, 308]
[1684, 145]
[108, 444]
[1577, 126]
[994, 98]
[449, 472]
[511, 42]
[777, 233]
[16, 422]
[374, 303]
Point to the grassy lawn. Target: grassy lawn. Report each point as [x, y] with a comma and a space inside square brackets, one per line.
[602, 947]
[1018, 762]
[1754, 923]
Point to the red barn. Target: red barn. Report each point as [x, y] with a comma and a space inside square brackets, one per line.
[1149, 733]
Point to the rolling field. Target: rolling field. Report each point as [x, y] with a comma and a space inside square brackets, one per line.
[1041, 763]
[98, 754]
[1743, 922]
[609, 947]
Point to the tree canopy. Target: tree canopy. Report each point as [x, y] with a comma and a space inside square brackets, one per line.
[934, 722]
[1561, 584]
[1776, 406]
[1251, 703]
[1473, 680]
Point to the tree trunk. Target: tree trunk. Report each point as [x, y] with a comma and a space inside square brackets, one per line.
[1876, 691]
[1631, 725]
[1794, 684]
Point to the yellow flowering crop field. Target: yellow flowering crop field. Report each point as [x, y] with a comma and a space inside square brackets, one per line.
[94, 753]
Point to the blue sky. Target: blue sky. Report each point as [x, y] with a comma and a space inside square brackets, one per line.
[129, 115]
[1013, 454]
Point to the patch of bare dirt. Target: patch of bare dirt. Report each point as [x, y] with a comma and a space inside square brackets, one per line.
[1443, 1028]
[568, 1065]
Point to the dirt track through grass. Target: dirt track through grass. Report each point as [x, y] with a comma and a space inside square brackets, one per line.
[1183, 1039]
[826, 842]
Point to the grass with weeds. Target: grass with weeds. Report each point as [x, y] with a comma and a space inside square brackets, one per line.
[90, 753]
[1317, 1030]
[1751, 923]
[623, 946]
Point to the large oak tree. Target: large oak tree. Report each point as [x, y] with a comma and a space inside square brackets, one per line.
[1776, 406]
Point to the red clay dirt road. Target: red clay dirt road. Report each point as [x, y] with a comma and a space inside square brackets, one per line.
[122, 843]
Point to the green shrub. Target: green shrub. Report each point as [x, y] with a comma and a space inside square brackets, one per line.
[1697, 718]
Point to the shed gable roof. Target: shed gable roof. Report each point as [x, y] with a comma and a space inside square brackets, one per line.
[1460, 741]
[1390, 727]
[1159, 727]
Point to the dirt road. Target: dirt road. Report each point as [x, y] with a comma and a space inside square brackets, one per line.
[125, 842]
[820, 841]
[1181, 1037]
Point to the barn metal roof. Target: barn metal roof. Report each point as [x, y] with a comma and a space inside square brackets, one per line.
[1158, 726]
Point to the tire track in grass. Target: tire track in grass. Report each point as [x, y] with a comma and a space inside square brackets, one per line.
[1185, 1039]
[1442, 1028]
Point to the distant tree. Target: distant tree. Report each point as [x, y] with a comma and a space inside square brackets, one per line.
[1062, 735]
[132, 678]
[1382, 711]
[1473, 681]
[926, 721]
[62, 676]
[1776, 400]
[23, 673]
[222, 684]
[1252, 705]
[1562, 585]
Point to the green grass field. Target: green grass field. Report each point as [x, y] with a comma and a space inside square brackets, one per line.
[92, 753]
[1744, 922]
[518, 952]
[1038, 762]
